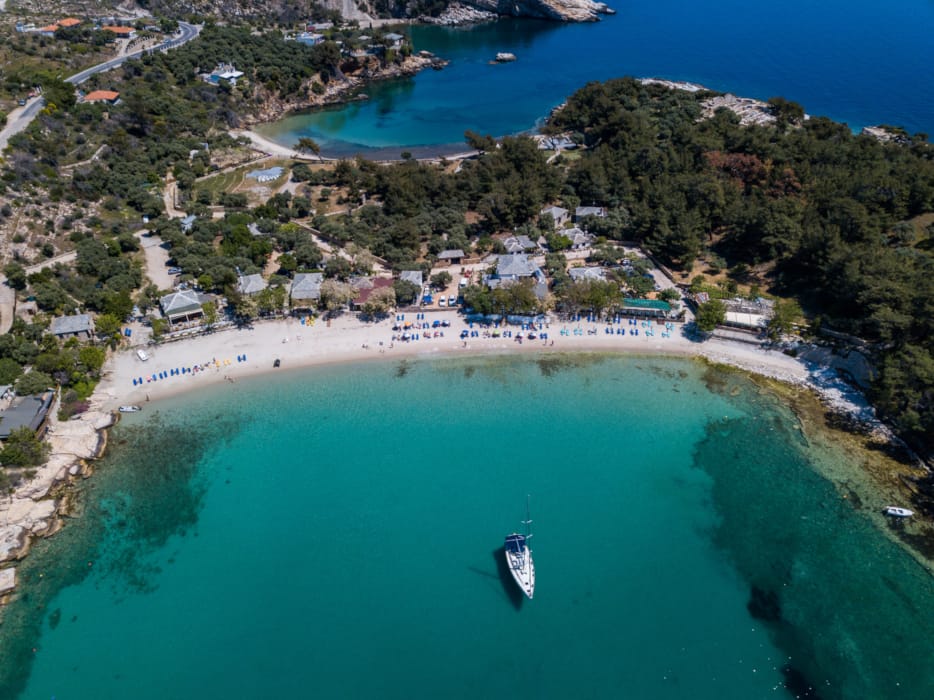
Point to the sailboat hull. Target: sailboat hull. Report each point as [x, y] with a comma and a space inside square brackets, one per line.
[521, 565]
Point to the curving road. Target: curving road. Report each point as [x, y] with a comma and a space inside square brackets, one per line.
[19, 119]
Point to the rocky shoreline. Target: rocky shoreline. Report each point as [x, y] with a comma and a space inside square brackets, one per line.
[35, 507]
[457, 14]
[556, 10]
[338, 89]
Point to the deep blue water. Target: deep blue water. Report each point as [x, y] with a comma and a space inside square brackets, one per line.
[856, 61]
[332, 533]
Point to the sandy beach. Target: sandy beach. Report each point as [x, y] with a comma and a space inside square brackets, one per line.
[261, 143]
[346, 339]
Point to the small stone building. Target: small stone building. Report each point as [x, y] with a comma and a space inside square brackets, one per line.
[78, 326]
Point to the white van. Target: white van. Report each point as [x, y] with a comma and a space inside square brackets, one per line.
[141, 354]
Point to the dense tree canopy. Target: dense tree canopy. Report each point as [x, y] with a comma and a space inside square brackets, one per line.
[832, 212]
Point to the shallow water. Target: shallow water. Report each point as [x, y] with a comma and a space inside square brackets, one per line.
[855, 61]
[332, 532]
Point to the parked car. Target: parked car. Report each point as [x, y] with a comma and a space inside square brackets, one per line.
[175, 270]
[142, 354]
[442, 302]
[452, 300]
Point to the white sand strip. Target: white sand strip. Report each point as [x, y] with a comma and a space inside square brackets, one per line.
[297, 345]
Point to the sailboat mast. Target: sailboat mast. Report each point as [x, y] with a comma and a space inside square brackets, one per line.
[528, 517]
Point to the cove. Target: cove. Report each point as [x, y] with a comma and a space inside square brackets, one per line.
[854, 61]
[333, 532]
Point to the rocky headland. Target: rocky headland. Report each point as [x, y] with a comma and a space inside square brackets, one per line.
[35, 507]
[355, 73]
[558, 10]
[457, 14]
[367, 13]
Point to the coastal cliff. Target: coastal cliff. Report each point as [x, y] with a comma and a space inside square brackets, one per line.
[560, 10]
[369, 10]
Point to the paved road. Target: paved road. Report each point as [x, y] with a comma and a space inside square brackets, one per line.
[20, 119]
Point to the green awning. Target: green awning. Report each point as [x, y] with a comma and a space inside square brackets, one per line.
[648, 304]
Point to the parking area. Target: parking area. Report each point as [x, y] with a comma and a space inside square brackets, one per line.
[157, 259]
[449, 297]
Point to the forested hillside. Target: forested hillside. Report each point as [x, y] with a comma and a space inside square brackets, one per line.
[838, 218]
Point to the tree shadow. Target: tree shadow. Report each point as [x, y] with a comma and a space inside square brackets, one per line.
[692, 333]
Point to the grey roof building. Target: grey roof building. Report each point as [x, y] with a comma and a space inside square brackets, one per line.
[579, 274]
[515, 266]
[414, 276]
[520, 244]
[184, 305]
[306, 287]
[559, 214]
[78, 326]
[579, 238]
[581, 212]
[453, 255]
[26, 411]
[188, 222]
[251, 284]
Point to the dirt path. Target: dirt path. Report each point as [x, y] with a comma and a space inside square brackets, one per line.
[63, 258]
[7, 305]
[170, 196]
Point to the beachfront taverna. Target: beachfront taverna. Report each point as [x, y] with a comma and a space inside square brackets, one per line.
[183, 306]
[306, 289]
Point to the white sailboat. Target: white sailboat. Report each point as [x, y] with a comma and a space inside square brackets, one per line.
[519, 556]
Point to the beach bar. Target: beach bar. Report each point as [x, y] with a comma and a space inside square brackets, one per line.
[646, 308]
[183, 306]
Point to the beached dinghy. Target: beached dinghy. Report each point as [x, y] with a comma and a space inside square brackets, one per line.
[897, 512]
[130, 409]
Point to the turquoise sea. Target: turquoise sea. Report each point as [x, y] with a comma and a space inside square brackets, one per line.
[335, 533]
[857, 61]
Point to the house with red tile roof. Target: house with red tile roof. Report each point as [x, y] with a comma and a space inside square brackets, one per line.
[365, 286]
[69, 22]
[108, 96]
[121, 32]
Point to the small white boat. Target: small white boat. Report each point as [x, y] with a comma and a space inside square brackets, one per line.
[505, 57]
[130, 409]
[897, 512]
[519, 557]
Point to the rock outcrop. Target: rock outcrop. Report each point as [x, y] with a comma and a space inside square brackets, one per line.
[365, 11]
[458, 14]
[560, 10]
